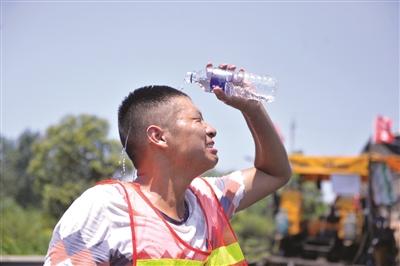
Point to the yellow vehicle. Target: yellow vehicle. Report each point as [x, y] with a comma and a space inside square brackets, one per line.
[352, 228]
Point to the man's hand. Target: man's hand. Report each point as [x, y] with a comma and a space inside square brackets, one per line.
[237, 102]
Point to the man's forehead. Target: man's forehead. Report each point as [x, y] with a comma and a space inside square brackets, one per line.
[184, 104]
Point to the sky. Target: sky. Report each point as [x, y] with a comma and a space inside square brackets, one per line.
[337, 64]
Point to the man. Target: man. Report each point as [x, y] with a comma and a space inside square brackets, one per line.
[169, 216]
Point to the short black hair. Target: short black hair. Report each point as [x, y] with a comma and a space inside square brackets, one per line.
[134, 111]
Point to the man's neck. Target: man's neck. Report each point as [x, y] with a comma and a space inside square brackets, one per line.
[165, 191]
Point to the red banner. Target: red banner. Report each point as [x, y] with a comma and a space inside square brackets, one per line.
[383, 130]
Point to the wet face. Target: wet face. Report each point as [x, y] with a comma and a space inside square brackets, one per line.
[190, 138]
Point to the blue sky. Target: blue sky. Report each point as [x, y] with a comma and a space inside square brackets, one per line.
[337, 64]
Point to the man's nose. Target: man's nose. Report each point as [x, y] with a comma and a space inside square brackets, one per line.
[210, 131]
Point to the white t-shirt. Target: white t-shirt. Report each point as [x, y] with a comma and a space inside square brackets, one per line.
[97, 223]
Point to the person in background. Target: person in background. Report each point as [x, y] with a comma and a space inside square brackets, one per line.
[169, 215]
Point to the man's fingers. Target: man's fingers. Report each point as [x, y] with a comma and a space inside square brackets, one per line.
[219, 93]
[218, 90]
[224, 66]
[227, 67]
[231, 67]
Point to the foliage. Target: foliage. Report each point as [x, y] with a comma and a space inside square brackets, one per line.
[57, 198]
[23, 231]
[15, 181]
[70, 157]
[42, 174]
[254, 227]
[7, 159]
[313, 206]
[213, 173]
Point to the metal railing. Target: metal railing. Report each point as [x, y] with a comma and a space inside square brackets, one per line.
[21, 260]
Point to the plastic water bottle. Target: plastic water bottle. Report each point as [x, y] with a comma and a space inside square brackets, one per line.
[235, 83]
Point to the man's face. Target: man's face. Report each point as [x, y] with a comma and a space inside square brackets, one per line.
[190, 138]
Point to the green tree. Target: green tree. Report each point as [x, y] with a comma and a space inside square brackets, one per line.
[254, 228]
[7, 159]
[23, 231]
[70, 157]
[313, 206]
[16, 182]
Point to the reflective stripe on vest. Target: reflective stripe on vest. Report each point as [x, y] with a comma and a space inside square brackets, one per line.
[169, 262]
[226, 255]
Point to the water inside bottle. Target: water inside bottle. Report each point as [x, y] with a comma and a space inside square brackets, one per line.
[247, 92]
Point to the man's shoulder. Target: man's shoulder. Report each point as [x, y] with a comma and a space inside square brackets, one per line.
[93, 203]
[98, 196]
[202, 182]
[102, 190]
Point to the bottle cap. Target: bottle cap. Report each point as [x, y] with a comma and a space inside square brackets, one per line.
[189, 77]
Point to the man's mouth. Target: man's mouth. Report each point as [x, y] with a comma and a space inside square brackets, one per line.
[210, 146]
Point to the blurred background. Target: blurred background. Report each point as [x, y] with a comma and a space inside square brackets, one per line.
[67, 65]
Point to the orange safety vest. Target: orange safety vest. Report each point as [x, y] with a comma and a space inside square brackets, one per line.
[154, 242]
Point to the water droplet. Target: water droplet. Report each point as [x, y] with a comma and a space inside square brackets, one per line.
[122, 160]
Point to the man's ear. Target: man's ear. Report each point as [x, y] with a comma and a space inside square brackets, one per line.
[156, 135]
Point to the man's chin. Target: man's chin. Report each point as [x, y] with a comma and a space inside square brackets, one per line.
[210, 165]
[214, 162]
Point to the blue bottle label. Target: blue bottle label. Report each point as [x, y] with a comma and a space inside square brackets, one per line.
[217, 80]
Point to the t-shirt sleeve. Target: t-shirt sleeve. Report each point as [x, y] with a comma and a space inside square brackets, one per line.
[229, 190]
[80, 237]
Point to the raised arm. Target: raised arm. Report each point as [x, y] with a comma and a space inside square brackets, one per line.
[271, 166]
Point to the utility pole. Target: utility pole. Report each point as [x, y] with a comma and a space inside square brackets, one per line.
[292, 136]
